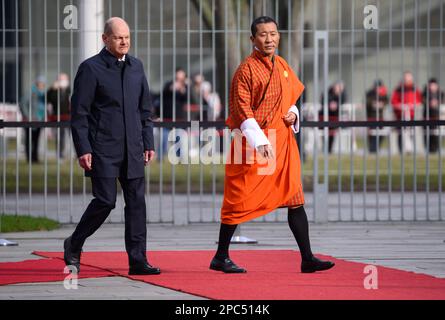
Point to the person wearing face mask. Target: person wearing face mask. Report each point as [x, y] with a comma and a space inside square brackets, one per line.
[174, 96]
[376, 100]
[58, 96]
[336, 97]
[405, 99]
[33, 108]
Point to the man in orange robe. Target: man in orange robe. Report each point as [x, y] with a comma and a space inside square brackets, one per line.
[262, 97]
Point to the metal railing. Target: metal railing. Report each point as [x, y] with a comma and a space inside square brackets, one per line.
[211, 37]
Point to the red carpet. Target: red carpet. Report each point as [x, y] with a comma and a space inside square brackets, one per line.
[271, 275]
[42, 270]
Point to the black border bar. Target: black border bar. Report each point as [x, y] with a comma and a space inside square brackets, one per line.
[222, 124]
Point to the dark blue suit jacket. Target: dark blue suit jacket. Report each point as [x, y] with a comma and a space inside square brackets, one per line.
[111, 115]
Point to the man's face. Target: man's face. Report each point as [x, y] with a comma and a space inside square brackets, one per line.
[180, 76]
[266, 38]
[118, 42]
[433, 87]
[338, 88]
[198, 79]
[408, 79]
[63, 80]
[40, 85]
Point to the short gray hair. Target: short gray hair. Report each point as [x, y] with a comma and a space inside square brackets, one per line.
[108, 27]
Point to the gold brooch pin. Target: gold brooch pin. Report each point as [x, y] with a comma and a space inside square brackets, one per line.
[286, 74]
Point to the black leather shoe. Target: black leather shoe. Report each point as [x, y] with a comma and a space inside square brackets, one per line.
[143, 269]
[71, 258]
[309, 266]
[226, 266]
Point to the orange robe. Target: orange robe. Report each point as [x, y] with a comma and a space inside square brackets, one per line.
[247, 194]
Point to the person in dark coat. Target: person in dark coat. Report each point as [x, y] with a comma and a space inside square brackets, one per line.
[111, 124]
[376, 100]
[432, 98]
[336, 97]
[174, 97]
[59, 97]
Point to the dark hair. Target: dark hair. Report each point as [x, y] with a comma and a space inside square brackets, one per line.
[378, 83]
[178, 69]
[432, 80]
[260, 20]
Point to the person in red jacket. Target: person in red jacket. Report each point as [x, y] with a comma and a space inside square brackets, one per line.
[405, 98]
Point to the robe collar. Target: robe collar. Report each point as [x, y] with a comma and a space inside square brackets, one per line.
[269, 63]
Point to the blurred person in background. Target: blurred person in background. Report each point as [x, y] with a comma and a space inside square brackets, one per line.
[174, 97]
[376, 100]
[212, 101]
[58, 96]
[405, 98]
[336, 97]
[33, 108]
[432, 98]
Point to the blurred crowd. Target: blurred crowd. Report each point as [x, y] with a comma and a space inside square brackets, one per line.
[405, 101]
[181, 100]
[40, 104]
[184, 99]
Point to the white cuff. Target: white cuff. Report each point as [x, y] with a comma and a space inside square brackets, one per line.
[254, 135]
[296, 126]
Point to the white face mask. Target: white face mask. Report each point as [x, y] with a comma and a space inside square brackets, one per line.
[64, 83]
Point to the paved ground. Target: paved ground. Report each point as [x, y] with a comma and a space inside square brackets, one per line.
[418, 247]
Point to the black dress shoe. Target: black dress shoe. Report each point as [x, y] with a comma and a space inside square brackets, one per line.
[143, 269]
[226, 266]
[309, 266]
[72, 258]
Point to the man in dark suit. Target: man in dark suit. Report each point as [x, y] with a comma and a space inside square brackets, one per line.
[111, 123]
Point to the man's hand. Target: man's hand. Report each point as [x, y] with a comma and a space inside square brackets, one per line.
[149, 155]
[266, 151]
[289, 118]
[85, 161]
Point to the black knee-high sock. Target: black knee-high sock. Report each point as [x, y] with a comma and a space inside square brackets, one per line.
[299, 226]
[225, 235]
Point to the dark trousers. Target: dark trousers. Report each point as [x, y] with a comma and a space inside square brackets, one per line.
[105, 192]
[434, 142]
[61, 142]
[33, 144]
[330, 143]
[373, 142]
